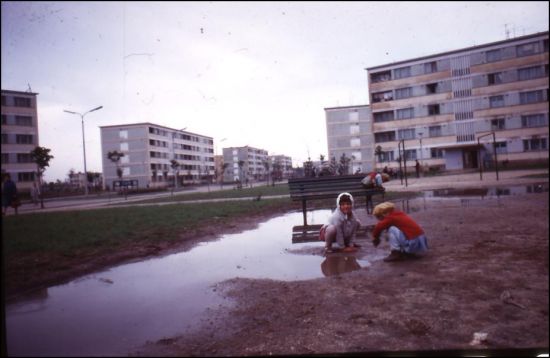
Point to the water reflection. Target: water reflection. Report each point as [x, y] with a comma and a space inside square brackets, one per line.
[338, 264]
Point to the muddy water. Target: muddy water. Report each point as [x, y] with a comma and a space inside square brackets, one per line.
[115, 311]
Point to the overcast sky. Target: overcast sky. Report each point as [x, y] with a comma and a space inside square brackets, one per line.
[255, 73]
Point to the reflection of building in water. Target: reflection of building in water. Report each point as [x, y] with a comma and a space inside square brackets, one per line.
[336, 265]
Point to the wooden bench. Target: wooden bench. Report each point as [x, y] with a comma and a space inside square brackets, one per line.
[304, 189]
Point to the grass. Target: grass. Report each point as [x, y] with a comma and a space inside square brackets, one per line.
[223, 194]
[67, 232]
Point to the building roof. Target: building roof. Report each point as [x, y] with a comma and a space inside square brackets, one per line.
[520, 38]
[151, 124]
[19, 92]
[344, 107]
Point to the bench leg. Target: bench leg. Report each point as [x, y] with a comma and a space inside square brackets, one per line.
[304, 212]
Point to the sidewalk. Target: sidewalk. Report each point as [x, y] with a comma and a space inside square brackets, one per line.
[464, 180]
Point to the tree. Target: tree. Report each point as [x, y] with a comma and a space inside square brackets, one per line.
[41, 156]
[175, 165]
[114, 156]
[266, 166]
[224, 168]
[308, 168]
[343, 167]
[378, 152]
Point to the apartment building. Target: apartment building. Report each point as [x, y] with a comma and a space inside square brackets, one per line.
[349, 132]
[19, 136]
[440, 106]
[148, 153]
[245, 164]
[282, 164]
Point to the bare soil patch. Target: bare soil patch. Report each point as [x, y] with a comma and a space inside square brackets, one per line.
[486, 272]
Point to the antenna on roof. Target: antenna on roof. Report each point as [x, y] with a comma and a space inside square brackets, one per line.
[29, 89]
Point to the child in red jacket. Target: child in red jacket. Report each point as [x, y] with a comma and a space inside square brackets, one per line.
[405, 236]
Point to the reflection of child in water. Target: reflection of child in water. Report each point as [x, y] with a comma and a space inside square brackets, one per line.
[342, 225]
[336, 265]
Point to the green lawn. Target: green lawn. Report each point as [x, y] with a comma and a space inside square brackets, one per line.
[107, 228]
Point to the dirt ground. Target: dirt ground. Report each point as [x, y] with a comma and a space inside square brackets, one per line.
[486, 272]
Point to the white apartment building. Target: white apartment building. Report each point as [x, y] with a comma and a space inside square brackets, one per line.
[284, 163]
[349, 132]
[148, 153]
[245, 164]
[19, 136]
[440, 106]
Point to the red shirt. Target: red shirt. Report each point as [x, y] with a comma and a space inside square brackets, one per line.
[400, 220]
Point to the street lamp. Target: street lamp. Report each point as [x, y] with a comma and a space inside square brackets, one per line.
[421, 154]
[84, 145]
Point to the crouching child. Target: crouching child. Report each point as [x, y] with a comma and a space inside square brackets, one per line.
[342, 226]
[405, 236]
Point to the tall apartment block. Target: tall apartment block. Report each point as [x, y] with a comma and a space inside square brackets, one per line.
[251, 162]
[19, 136]
[440, 106]
[148, 153]
[349, 132]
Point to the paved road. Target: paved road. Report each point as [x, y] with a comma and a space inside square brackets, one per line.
[506, 178]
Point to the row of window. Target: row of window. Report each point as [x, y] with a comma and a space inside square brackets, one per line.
[529, 145]
[19, 139]
[166, 167]
[495, 55]
[522, 74]
[17, 101]
[20, 158]
[182, 136]
[25, 121]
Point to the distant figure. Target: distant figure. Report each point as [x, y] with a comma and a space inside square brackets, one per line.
[385, 170]
[405, 236]
[342, 226]
[9, 195]
[417, 167]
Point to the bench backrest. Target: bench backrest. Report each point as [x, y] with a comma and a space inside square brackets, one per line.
[326, 187]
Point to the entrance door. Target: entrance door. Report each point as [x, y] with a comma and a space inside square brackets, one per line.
[469, 158]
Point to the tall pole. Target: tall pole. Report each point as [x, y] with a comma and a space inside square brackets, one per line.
[84, 145]
[421, 154]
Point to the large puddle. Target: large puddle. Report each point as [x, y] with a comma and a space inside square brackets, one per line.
[114, 312]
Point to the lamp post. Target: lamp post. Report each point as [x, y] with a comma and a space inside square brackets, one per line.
[421, 154]
[84, 145]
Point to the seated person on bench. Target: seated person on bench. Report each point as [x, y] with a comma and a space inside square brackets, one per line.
[374, 180]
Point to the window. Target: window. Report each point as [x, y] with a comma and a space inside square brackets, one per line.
[382, 96]
[383, 116]
[402, 72]
[380, 76]
[21, 102]
[535, 144]
[4, 101]
[355, 142]
[354, 129]
[386, 156]
[410, 154]
[23, 139]
[530, 73]
[430, 67]
[23, 121]
[356, 156]
[4, 138]
[431, 88]
[436, 153]
[384, 136]
[27, 176]
[497, 124]
[353, 116]
[433, 109]
[4, 119]
[435, 131]
[124, 146]
[533, 120]
[405, 134]
[494, 78]
[5, 158]
[24, 158]
[123, 134]
[500, 147]
[403, 93]
[545, 45]
[527, 49]
[496, 101]
[531, 97]
[493, 55]
[405, 113]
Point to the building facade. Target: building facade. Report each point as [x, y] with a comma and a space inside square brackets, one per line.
[439, 107]
[281, 165]
[349, 133]
[19, 136]
[245, 164]
[149, 150]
